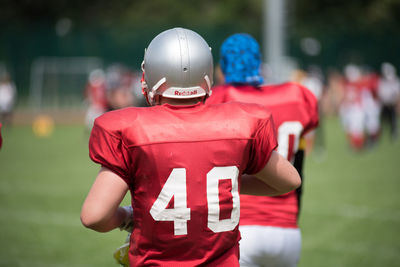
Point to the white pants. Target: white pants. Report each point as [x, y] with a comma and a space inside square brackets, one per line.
[269, 246]
[352, 116]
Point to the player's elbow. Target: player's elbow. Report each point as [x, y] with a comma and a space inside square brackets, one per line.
[290, 180]
[288, 184]
[280, 175]
[294, 181]
[92, 220]
[89, 221]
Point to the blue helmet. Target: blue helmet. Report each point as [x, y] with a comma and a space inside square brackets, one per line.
[240, 60]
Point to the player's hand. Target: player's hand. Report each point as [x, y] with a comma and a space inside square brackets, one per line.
[127, 224]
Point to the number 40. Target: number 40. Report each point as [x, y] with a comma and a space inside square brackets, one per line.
[175, 186]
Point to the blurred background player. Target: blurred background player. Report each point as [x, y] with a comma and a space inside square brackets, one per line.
[360, 108]
[8, 94]
[182, 160]
[370, 105]
[389, 95]
[351, 109]
[119, 87]
[96, 96]
[268, 225]
[110, 90]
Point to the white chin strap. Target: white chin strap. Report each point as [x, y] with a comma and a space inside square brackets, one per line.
[153, 90]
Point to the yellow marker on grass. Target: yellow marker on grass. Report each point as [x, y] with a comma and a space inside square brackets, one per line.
[43, 126]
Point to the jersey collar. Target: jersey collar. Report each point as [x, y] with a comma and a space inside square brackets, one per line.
[185, 108]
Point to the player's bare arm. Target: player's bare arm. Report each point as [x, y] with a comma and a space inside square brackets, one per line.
[276, 178]
[101, 211]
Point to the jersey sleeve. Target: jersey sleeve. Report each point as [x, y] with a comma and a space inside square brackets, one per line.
[263, 144]
[107, 149]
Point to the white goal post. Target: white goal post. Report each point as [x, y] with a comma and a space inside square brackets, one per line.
[60, 81]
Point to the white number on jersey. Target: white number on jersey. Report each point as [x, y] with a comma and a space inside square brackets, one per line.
[288, 146]
[213, 177]
[175, 186]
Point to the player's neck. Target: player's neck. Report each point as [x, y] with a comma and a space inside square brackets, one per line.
[180, 102]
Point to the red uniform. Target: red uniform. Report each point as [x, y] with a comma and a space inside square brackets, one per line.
[182, 165]
[294, 109]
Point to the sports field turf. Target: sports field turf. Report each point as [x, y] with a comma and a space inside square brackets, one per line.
[350, 216]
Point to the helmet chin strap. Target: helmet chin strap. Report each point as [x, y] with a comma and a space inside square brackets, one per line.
[151, 97]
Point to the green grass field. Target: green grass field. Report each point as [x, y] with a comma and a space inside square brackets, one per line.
[350, 216]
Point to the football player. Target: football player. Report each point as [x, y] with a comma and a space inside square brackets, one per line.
[96, 97]
[268, 225]
[182, 161]
[389, 95]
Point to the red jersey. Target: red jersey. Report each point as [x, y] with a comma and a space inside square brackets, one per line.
[183, 165]
[294, 109]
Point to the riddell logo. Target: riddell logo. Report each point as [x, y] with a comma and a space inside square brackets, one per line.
[185, 93]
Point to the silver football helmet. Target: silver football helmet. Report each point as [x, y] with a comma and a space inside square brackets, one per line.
[177, 64]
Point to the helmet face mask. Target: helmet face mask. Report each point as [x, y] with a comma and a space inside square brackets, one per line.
[177, 64]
